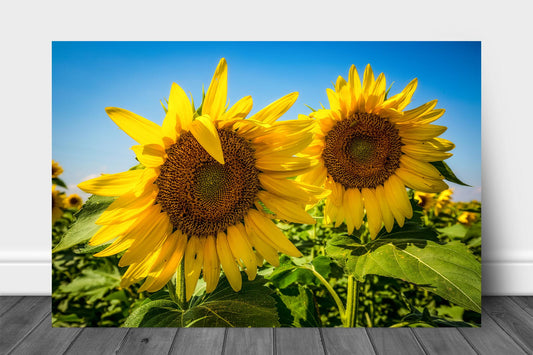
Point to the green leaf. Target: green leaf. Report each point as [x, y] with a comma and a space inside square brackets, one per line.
[410, 231]
[93, 284]
[59, 182]
[456, 231]
[253, 306]
[450, 270]
[288, 273]
[296, 307]
[445, 170]
[424, 319]
[84, 228]
[473, 232]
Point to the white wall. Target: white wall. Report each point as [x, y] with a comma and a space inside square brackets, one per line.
[27, 29]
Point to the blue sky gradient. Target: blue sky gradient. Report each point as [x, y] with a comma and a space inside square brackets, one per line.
[89, 76]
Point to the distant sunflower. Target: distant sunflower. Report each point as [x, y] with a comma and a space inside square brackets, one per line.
[202, 195]
[467, 218]
[73, 201]
[425, 200]
[56, 169]
[443, 200]
[369, 149]
[57, 204]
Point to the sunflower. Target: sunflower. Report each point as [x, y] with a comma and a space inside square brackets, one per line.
[56, 169]
[369, 148]
[212, 183]
[57, 204]
[467, 218]
[443, 200]
[425, 200]
[73, 201]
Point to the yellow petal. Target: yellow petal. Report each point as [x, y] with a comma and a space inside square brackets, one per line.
[316, 176]
[348, 217]
[205, 132]
[126, 207]
[292, 190]
[211, 264]
[355, 203]
[240, 110]
[421, 133]
[109, 232]
[241, 249]
[420, 183]
[441, 144]
[147, 236]
[282, 163]
[373, 213]
[266, 250]
[401, 100]
[119, 245]
[375, 98]
[176, 247]
[395, 210]
[157, 268]
[417, 112]
[178, 106]
[333, 98]
[112, 184]
[354, 81]
[139, 128]
[394, 187]
[150, 155]
[194, 259]
[368, 80]
[276, 109]
[420, 167]
[180, 109]
[388, 218]
[227, 260]
[217, 93]
[424, 151]
[270, 233]
[139, 270]
[285, 209]
[430, 116]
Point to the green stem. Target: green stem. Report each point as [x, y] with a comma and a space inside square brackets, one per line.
[330, 289]
[352, 303]
[180, 283]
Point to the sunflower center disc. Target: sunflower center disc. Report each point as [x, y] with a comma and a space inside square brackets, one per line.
[201, 196]
[362, 151]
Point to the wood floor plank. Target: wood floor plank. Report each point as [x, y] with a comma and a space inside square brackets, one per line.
[526, 302]
[490, 339]
[298, 341]
[205, 341]
[148, 341]
[347, 341]
[6, 302]
[244, 341]
[399, 341]
[46, 340]
[443, 341]
[97, 341]
[18, 321]
[512, 319]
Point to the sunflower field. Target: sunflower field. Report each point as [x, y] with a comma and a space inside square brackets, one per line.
[341, 218]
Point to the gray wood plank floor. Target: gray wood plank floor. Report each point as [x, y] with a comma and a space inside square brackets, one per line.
[25, 327]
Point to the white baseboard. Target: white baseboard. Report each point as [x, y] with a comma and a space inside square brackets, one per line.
[509, 278]
[27, 277]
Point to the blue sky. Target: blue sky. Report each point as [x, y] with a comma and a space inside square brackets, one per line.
[89, 76]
